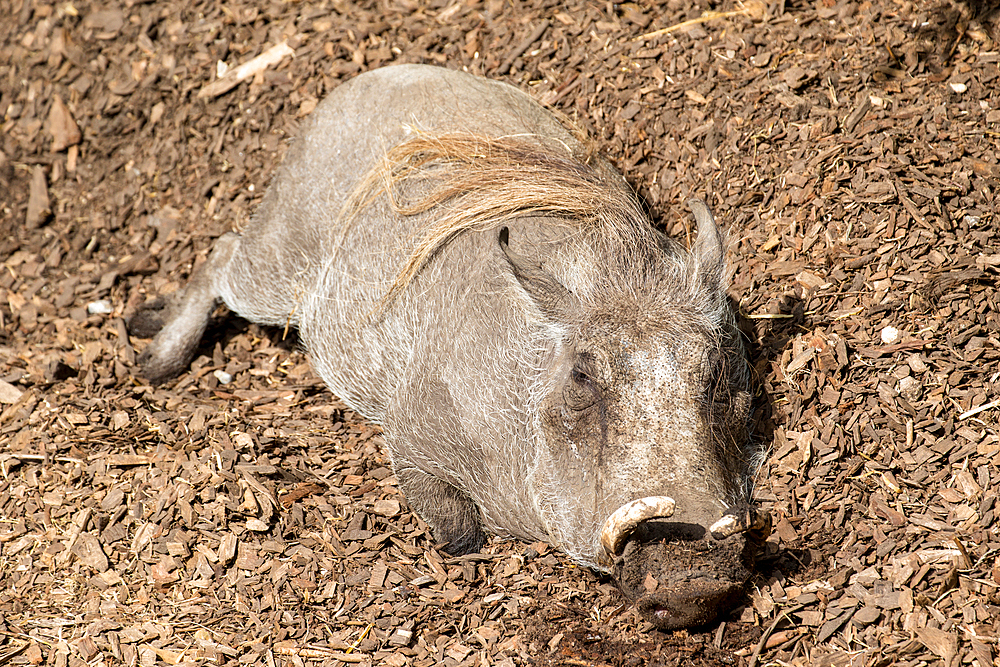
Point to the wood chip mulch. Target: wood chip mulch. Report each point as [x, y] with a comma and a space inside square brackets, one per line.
[241, 515]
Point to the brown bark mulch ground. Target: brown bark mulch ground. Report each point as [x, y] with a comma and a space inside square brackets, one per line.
[241, 515]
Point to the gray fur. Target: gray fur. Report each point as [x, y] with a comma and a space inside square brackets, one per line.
[535, 373]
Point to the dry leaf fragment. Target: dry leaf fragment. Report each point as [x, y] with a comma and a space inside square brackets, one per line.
[458, 652]
[257, 526]
[805, 448]
[122, 460]
[800, 361]
[796, 77]
[168, 656]
[88, 648]
[119, 420]
[227, 548]
[147, 656]
[985, 169]
[63, 128]
[785, 531]
[301, 491]
[811, 280]
[144, 536]
[88, 549]
[696, 97]
[75, 530]
[941, 643]
[386, 507]
[38, 199]
[156, 113]
[260, 495]
[111, 578]
[9, 394]
[864, 103]
[34, 654]
[981, 651]
[106, 21]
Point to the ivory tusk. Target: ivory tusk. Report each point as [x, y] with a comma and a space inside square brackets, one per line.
[746, 521]
[624, 520]
[725, 527]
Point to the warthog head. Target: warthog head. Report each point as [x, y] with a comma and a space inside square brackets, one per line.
[646, 470]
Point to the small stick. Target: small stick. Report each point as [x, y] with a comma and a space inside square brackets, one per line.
[73, 535]
[523, 46]
[230, 79]
[42, 457]
[718, 635]
[770, 630]
[976, 411]
[748, 10]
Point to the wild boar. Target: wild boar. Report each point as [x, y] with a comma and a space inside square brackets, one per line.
[467, 272]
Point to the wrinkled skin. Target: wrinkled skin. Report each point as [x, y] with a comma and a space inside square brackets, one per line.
[544, 366]
[612, 401]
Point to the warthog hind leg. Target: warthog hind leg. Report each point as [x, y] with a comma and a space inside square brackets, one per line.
[178, 320]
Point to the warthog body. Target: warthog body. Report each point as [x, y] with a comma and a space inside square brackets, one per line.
[545, 365]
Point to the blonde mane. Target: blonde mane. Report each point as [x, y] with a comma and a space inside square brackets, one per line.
[477, 182]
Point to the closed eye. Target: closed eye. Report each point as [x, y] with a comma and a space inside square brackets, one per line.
[583, 390]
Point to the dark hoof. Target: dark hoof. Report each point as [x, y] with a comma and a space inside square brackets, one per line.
[149, 318]
[469, 542]
[157, 364]
[159, 369]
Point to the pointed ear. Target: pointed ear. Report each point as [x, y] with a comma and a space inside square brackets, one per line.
[551, 297]
[708, 253]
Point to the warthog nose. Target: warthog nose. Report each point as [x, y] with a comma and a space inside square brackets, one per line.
[688, 604]
[678, 575]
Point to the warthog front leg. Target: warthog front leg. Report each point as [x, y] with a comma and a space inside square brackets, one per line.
[452, 514]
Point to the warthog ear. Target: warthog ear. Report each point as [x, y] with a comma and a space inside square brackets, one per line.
[708, 253]
[551, 297]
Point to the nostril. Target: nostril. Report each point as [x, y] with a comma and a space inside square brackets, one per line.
[690, 604]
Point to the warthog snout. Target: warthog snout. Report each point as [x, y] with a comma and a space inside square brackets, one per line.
[678, 574]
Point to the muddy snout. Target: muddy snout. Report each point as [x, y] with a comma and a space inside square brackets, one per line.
[682, 575]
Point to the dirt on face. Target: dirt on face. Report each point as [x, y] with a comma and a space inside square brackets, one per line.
[675, 582]
[240, 515]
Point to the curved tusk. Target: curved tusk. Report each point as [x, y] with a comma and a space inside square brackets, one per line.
[727, 526]
[624, 520]
[741, 521]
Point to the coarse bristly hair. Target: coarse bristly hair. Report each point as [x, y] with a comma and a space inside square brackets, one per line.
[478, 182]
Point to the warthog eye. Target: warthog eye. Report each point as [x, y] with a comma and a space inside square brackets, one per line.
[582, 390]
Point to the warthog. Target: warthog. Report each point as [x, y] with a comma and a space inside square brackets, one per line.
[466, 272]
